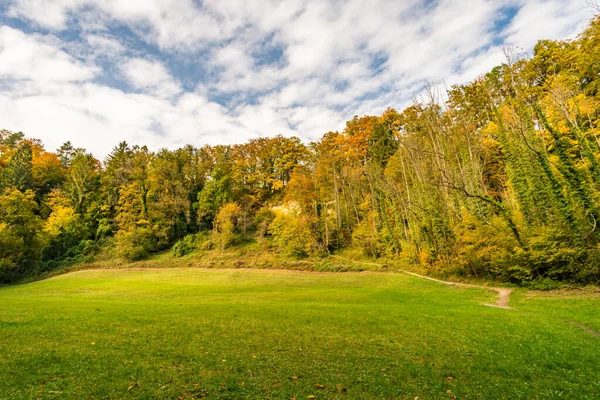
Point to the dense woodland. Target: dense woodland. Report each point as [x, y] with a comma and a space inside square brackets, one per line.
[502, 181]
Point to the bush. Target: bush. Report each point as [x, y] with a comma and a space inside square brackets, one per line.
[135, 244]
[489, 249]
[104, 229]
[542, 284]
[185, 246]
[262, 220]
[292, 235]
[180, 249]
[207, 245]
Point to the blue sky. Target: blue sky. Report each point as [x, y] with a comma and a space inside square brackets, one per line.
[170, 72]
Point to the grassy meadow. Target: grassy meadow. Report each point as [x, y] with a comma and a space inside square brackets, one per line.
[229, 334]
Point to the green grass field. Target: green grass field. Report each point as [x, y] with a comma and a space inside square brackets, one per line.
[227, 334]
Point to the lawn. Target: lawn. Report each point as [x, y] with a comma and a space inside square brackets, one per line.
[227, 334]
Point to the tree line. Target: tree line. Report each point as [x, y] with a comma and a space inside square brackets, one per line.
[501, 181]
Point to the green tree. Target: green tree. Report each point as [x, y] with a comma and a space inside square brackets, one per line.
[21, 239]
[64, 228]
[81, 181]
[17, 173]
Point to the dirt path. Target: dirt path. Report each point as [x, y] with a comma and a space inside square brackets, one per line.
[503, 293]
[503, 298]
[586, 328]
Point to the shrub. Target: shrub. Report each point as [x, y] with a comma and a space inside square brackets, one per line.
[207, 245]
[541, 283]
[489, 249]
[104, 229]
[292, 235]
[262, 220]
[180, 249]
[185, 246]
[135, 244]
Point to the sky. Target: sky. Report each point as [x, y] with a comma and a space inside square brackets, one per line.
[166, 73]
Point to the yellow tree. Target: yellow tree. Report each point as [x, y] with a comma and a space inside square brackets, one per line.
[224, 225]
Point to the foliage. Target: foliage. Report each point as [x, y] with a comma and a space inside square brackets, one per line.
[21, 239]
[135, 244]
[223, 233]
[292, 235]
[367, 238]
[263, 219]
[187, 245]
[502, 181]
[540, 283]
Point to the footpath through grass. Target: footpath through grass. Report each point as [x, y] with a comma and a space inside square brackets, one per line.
[228, 334]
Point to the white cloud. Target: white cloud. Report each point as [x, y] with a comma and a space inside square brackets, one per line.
[104, 46]
[30, 57]
[168, 23]
[48, 14]
[298, 67]
[98, 117]
[540, 19]
[150, 76]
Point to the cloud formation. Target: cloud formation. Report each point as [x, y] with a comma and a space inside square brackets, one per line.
[167, 72]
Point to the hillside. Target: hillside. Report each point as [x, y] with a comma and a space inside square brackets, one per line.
[499, 182]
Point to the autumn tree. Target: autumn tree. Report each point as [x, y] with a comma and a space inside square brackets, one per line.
[223, 233]
[21, 239]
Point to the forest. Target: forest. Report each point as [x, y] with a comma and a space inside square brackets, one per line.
[501, 181]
